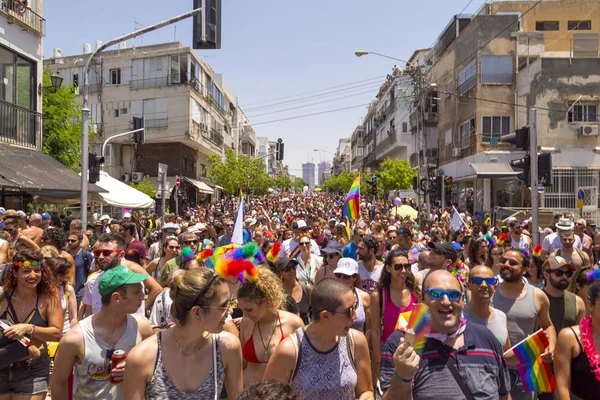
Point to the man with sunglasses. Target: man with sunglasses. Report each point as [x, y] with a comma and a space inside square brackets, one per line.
[225, 238]
[482, 285]
[88, 347]
[83, 262]
[188, 240]
[526, 308]
[518, 238]
[458, 357]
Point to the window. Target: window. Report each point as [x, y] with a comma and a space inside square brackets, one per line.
[497, 69]
[203, 170]
[494, 127]
[465, 130]
[175, 69]
[115, 76]
[123, 111]
[467, 77]
[75, 80]
[405, 127]
[546, 26]
[116, 112]
[584, 113]
[392, 127]
[580, 25]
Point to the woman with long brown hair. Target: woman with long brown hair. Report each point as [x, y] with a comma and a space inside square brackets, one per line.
[398, 292]
[30, 302]
[477, 252]
[169, 251]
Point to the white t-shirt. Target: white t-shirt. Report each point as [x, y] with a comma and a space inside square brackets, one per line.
[552, 242]
[91, 295]
[370, 280]
[289, 245]
[161, 311]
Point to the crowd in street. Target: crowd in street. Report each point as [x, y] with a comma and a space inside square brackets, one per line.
[285, 298]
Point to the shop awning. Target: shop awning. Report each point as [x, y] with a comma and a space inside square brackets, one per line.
[201, 186]
[38, 173]
[120, 194]
[493, 170]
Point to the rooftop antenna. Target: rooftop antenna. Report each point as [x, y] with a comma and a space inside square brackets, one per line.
[136, 26]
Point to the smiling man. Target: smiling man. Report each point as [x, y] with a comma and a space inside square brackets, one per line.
[460, 359]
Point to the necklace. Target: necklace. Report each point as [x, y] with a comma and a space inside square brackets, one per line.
[588, 344]
[266, 346]
[183, 352]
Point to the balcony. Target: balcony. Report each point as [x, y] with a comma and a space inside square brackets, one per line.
[19, 125]
[432, 155]
[16, 13]
[150, 123]
[168, 80]
[385, 145]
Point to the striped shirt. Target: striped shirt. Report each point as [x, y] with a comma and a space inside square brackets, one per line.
[479, 362]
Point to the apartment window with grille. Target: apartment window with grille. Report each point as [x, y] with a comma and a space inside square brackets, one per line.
[497, 69]
[115, 76]
[494, 127]
[123, 111]
[467, 77]
[583, 113]
[580, 25]
[465, 130]
[546, 26]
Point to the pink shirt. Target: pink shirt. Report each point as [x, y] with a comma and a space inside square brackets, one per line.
[391, 312]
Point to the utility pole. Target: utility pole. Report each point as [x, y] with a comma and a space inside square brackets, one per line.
[85, 110]
[533, 165]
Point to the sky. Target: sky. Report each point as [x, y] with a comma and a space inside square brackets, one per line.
[274, 49]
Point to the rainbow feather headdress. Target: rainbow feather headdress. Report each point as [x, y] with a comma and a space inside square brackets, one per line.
[490, 239]
[234, 261]
[503, 238]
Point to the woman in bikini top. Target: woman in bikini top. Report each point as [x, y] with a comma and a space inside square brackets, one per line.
[264, 324]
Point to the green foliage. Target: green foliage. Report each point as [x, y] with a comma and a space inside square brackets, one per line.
[145, 186]
[233, 173]
[62, 124]
[283, 182]
[299, 183]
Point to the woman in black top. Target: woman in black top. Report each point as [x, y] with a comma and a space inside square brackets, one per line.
[300, 292]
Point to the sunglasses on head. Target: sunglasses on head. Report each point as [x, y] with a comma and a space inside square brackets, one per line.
[105, 252]
[398, 267]
[438, 294]
[477, 280]
[512, 263]
[560, 272]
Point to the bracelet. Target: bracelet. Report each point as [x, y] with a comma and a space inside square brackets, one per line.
[401, 379]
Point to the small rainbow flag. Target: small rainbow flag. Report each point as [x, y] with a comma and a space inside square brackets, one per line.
[418, 327]
[535, 373]
[351, 207]
[402, 323]
[294, 253]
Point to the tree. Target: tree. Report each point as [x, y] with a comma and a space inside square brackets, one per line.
[242, 172]
[62, 124]
[145, 186]
[283, 182]
[299, 183]
[396, 174]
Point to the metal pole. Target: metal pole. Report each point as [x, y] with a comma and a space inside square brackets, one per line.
[85, 111]
[163, 195]
[534, 175]
[443, 194]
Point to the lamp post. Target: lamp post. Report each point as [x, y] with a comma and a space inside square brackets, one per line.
[360, 53]
[56, 80]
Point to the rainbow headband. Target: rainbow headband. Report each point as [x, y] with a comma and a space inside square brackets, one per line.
[234, 261]
[32, 263]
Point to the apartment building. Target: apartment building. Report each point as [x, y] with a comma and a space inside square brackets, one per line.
[386, 125]
[357, 148]
[189, 112]
[324, 171]
[485, 71]
[343, 157]
[24, 169]
[308, 174]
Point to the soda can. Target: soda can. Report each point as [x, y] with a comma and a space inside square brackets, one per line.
[117, 357]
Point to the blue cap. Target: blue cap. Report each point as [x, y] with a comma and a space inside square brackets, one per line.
[457, 246]
[46, 216]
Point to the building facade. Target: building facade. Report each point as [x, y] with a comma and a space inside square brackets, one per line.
[324, 171]
[308, 174]
[357, 148]
[343, 157]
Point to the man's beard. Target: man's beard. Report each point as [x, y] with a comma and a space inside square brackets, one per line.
[560, 284]
[366, 258]
[110, 265]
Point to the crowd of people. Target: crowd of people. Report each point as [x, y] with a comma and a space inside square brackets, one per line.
[139, 307]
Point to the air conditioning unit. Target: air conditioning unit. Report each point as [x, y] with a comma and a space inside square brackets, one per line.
[455, 152]
[588, 130]
[137, 176]
[125, 177]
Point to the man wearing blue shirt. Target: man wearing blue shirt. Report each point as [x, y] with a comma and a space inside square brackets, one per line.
[351, 249]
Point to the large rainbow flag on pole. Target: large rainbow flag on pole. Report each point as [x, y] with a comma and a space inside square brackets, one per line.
[535, 373]
[351, 207]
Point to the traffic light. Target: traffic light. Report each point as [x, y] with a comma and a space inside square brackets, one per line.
[207, 25]
[374, 190]
[279, 150]
[519, 138]
[415, 183]
[522, 163]
[139, 137]
[374, 180]
[545, 169]
[94, 163]
[448, 180]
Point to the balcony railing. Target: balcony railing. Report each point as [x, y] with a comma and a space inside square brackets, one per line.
[149, 82]
[24, 16]
[18, 125]
[214, 136]
[467, 85]
[497, 78]
[156, 122]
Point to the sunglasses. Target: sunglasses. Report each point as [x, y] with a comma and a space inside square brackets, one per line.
[348, 313]
[73, 240]
[332, 255]
[438, 294]
[229, 226]
[398, 267]
[190, 242]
[477, 280]
[344, 276]
[173, 247]
[512, 263]
[560, 272]
[306, 244]
[518, 227]
[105, 252]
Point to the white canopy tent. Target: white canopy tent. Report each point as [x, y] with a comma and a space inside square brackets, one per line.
[119, 194]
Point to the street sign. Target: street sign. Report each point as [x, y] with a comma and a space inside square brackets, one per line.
[177, 182]
[580, 197]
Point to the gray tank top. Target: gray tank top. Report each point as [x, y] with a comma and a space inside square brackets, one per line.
[497, 325]
[329, 375]
[161, 386]
[361, 318]
[521, 314]
[92, 376]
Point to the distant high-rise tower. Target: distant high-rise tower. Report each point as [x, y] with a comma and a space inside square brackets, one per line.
[322, 168]
[308, 174]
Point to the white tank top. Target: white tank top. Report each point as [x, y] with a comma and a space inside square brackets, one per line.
[92, 377]
[64, 304]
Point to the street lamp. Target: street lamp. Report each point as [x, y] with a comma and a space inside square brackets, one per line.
[360, 53]
[56, 80]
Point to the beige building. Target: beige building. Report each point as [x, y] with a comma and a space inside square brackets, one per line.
[189, 112]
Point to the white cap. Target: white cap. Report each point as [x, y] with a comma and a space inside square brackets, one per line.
[346, 266]
[127, 215]
[105, 216]
[301, 224]
[200, 226]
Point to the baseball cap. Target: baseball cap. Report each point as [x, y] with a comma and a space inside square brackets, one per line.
[169, 226]
[332, 247]
[21, 214]
[116, 277]
[46, 216]
[11, 213]
[250, 221]
[444, 248]
[127, 215]
[457, 246]
[346, 266]
[283, 262]
[2, 210]
[556, 262]
[300, 224]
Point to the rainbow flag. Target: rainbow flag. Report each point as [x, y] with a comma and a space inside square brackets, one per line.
[294, 253]
[418, 327]
[402, 322]
[351, 207]
[535, 373]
